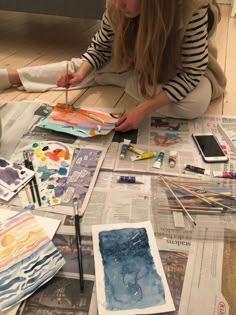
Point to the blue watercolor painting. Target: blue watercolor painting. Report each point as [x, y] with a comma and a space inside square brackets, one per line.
[131, 279]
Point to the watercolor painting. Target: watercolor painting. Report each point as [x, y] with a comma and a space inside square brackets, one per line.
[129, 275]
[82, 176]
[28, 258]
[13, 175]
[80, 122]
[37, 133]
[51, 161]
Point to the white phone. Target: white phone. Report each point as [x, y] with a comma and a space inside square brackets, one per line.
[209, 147]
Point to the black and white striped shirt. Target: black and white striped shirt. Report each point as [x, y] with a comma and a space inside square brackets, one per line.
[194, 53]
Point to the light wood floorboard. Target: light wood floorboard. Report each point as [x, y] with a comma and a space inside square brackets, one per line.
[31, 39]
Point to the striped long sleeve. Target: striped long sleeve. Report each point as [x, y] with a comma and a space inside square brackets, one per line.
[100, 50]
[194, 55]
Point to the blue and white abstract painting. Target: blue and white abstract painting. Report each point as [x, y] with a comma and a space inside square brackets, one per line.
[129, 275]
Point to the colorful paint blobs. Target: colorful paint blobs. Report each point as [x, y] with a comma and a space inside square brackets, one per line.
[129, 275]
[51, 161]
[13, 177]
[79, 122]
[28, 258]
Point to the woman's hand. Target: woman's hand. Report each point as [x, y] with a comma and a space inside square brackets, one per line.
[66, 78]
[131, 119]
[73, 79]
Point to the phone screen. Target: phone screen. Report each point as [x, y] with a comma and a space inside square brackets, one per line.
[209, 146]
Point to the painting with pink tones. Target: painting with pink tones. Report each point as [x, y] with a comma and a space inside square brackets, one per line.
[28, 258]
[80, 122]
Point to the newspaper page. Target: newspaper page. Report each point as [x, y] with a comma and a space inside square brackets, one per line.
[210, 275]
[174, 257]
[114, 202]
[158, 133]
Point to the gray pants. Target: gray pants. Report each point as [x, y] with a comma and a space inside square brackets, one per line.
[43, 78]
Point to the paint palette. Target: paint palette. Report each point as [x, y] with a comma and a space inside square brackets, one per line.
[79, 122]
[228, 131]
[13, 176]
[51, 162]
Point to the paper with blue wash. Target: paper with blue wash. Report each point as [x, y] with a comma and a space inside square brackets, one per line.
[129, 274]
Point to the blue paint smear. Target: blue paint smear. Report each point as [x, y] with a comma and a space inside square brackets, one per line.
[131, 279]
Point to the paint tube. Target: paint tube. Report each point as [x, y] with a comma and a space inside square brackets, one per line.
[129, 179]
[124, 149]
[172, 158]
[225, 174]
[135, 149]
[159, 160]
[143, 156]
[196, 169]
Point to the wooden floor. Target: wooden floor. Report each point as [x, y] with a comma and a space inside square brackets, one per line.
[31, 39]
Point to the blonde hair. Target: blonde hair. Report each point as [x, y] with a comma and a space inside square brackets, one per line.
[148, 43]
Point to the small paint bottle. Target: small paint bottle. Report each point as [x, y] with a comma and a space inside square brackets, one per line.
[196, 169]
[143, 156]
[172, 159]
[135, 149]
[159, 160]
[124, 148]
[129, 179]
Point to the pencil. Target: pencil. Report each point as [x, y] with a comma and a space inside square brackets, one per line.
[179, 202]
[78, 241]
